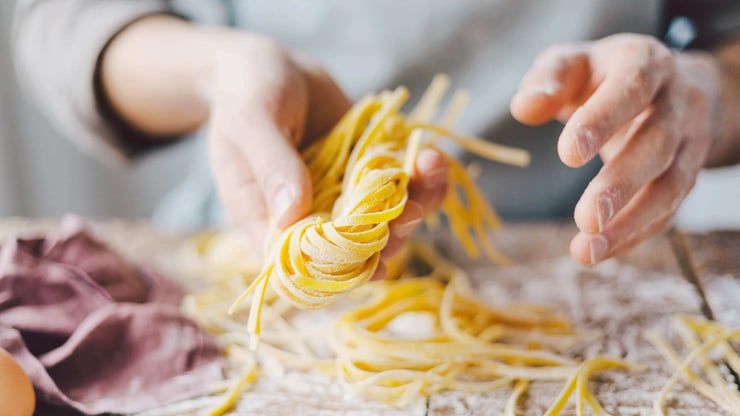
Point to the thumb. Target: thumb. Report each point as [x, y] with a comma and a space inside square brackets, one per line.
[260, 106]
[279, 171]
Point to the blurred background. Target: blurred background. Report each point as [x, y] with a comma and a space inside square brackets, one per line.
[43, 175]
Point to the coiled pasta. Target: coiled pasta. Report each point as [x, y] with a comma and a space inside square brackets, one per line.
[458, 343]
[360, 173]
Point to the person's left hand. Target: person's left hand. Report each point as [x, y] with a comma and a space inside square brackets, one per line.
[646, 111]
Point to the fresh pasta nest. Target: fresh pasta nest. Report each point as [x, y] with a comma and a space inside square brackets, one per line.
[360, 172]
[450, 339]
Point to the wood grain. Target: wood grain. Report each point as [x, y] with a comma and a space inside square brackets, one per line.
[618, 299]
[715, 261]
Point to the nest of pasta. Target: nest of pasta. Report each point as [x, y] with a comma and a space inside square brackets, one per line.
[360, 173]
[397, 340]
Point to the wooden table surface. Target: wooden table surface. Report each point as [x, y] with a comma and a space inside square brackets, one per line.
[620, 299]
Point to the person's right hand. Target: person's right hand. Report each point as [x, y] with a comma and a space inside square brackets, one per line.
[262, 103]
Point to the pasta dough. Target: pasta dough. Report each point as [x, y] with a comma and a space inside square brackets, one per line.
[360, 173]
[457, 342]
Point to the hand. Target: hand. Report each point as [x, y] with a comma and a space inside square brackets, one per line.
[264, 104]
[647, 112]
[167, 77]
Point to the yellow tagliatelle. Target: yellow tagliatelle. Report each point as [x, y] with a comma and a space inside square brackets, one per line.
[702, 338]
[399, 339]
[360, 173]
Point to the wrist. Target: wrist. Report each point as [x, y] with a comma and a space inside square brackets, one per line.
[149, 75]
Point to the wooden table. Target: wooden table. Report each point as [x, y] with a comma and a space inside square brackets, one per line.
[679, 273]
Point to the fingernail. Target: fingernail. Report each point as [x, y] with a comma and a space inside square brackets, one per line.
[604, 211]
[406, 229]
[550, 88]
[597, 248]
[585, 143]
[435, 178]
[282, 201]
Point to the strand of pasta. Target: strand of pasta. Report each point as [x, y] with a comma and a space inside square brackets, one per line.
[493, 347]
[700, 337]
[360, 173]
[520, 387]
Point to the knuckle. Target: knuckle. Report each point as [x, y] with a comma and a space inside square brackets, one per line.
[631, 41]
[629, 37]
[616, 190]
[660, 59]
[551, 52]
[273, 104]
[646, 43]
[654, 45]
[552, 57]
[663, 58]
[638, 84]
[269, 180]
[266, 46]
[698, 100]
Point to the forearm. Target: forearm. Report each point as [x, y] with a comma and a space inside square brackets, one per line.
[153, 75]
[726, 150]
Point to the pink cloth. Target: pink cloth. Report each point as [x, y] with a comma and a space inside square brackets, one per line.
[94, 333]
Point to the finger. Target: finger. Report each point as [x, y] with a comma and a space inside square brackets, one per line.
[616, 143]
[402, 227]
[428, 183]
[555, 79]
[327, 103]
[427, 189]
[647, 214]
[643, 158]
[281, 175]
[628, 88]
[239, 193]
[591, 249]
[380, 272]
[278, 169]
